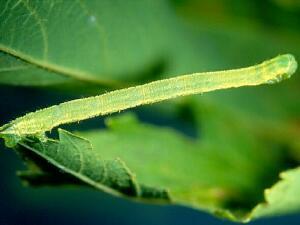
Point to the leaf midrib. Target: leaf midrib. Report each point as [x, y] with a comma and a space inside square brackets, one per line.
[64, 71]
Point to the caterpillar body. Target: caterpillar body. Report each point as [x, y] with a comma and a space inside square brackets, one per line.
[270, 71]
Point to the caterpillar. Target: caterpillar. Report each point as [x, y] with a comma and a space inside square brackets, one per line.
[270, 71]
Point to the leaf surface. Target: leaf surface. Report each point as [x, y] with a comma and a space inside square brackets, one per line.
[86, 40]
[75, 156]
[164, 166]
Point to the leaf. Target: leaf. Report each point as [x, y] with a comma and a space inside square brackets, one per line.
[246, 148]
[165, 166]
[280, 198]
[75, 156]
[86, 40]
[14, 71]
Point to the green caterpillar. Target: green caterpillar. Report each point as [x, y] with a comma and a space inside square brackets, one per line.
[270, 71]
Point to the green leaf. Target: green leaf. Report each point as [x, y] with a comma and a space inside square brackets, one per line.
[281, 198]
[86, 40]
[14, 71]
[163, 165]
[75, 156]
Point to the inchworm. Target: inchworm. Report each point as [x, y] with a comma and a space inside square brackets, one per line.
[271, 71]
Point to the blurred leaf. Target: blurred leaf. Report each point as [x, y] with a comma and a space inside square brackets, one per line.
[197, 174]
[14, 71]
[281, 198]
[86, 40]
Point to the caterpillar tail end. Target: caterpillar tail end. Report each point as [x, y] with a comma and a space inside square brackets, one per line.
[10, 139]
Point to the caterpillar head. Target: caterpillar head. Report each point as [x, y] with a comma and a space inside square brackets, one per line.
[286, 66]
